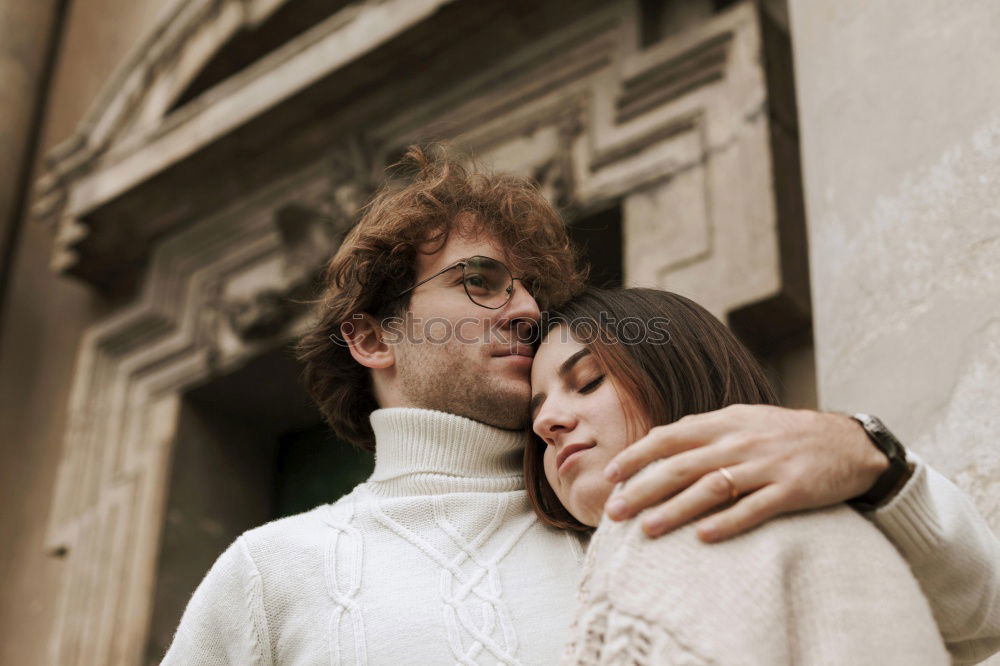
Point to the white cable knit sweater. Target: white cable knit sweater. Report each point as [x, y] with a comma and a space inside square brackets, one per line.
[438, 559]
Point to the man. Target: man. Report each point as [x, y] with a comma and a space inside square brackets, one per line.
[420, 352]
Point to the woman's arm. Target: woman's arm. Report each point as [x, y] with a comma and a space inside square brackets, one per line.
[954, 556]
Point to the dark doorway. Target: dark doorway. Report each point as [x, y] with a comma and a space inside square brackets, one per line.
[313, 467]
[599, 237]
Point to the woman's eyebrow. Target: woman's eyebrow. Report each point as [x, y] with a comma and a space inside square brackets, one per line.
[568, 364]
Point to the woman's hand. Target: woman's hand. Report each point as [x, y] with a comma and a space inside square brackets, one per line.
[780, 460]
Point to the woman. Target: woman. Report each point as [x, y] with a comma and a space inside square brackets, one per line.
[818, 587]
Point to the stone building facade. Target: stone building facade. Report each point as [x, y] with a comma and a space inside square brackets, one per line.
[198, 160]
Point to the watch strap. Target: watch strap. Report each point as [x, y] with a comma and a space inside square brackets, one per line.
[889, 482]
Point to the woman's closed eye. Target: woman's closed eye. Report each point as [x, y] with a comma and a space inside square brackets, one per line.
[592, 384]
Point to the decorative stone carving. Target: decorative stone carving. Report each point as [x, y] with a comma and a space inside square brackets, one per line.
[262, 316]
[308, 239]
[354, 176]
[555, 176]
[659, 82]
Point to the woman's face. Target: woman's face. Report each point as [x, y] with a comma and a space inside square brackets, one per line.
[576, 410]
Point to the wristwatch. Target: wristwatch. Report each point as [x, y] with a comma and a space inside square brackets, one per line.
[892, 479]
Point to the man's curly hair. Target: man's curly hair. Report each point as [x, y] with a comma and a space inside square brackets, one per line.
[377, 259]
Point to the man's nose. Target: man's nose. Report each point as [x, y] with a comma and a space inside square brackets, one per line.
[522, 305]
[521, 316]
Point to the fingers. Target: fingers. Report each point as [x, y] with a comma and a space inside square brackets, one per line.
[710, 491]
[751, 511]
[665, 477]
[663, 441]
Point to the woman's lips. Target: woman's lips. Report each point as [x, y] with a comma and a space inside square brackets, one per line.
[568, 454]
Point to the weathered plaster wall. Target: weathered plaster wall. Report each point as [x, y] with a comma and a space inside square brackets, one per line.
[900, 120]
[44, 316]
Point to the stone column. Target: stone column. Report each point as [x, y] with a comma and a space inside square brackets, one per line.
[26, 32]
[900, 121]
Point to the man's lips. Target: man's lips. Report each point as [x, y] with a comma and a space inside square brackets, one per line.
[569, 450]
[520, 350]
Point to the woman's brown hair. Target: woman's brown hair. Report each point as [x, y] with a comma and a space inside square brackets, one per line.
[415, 213]
[667, 356]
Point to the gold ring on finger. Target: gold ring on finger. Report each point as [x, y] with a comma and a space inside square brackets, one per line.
[728, 476]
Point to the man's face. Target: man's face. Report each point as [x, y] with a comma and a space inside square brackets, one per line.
[458, 357]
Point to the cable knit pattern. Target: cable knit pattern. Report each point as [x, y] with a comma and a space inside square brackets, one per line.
[344, 594]
[822, 587]
[261, 644]
[456, 606]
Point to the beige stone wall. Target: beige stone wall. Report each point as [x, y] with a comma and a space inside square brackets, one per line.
[44, 316]
[900, 117]
[27, 31]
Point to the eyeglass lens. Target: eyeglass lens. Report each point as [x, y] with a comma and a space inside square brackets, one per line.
[487, 282]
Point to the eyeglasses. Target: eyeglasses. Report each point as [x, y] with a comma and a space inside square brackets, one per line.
[488, 283]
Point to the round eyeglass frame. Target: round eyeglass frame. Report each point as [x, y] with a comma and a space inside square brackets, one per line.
[465, 262]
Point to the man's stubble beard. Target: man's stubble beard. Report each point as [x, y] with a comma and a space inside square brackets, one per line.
[440, 377]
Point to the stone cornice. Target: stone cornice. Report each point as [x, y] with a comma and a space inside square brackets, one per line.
[128, 137]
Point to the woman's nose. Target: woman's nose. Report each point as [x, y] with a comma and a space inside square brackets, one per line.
[552, 421]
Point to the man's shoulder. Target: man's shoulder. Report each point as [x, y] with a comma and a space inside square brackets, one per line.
[302, 524]
[300, 531]
[275, 566]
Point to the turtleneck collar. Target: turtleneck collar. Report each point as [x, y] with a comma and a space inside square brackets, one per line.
[426, 452]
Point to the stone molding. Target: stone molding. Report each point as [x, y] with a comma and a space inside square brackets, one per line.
[127, 137]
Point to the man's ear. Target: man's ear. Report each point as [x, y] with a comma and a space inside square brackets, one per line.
[365, 339]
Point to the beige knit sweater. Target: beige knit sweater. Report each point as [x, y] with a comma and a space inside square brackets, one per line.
[821, 587]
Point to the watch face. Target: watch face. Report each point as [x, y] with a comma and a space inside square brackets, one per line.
[880, 436]
[869, 422]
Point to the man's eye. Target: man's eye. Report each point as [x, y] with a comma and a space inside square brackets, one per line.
[590, 386]
[476, 281]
